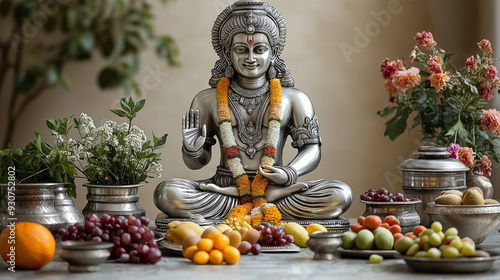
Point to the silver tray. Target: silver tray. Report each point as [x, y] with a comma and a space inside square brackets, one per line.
[177, 249]
[450, 265]
[365, 254]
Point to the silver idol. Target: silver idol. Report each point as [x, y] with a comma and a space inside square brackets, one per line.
[249, 36]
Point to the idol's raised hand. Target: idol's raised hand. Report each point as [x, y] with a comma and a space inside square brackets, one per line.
[193, 134]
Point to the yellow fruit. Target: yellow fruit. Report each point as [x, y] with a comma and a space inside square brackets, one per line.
[299, 233]
[234, 239]
[490, 201]
[472, 197]
[455, 192]
[223, 227]
[201, 257]
[231, 255]
[173, 224]
[448, 199]
[194, 226]
[246, 225]
[221, 241]
[189, 241]
[210, 233]
[189, 252]
[34, 248]
[243, 230]
[180, 232]
[205, 244]
[216, 257]
[315, 227]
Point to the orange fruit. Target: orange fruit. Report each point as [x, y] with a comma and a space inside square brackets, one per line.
[216, 256]
[190, 251]
[205, 244]
[201, 257]
[231, 255]
[372, 222]
[221, 241]
[34, 248]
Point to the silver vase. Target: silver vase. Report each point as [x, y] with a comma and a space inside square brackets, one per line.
[33, 202]
[66, 207]
[482, 182]
[113, 200]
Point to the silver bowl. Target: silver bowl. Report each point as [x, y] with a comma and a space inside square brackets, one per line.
[85, 256]
[324, 244]
[405, 212]
[474, 221]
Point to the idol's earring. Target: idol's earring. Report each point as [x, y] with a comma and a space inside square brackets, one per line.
[229, 73]
[272, 71]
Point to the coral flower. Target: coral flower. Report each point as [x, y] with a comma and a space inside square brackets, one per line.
[453, 149]
[466, 156]
[490, 72]
[388, 68]
[485, 46]
[485, 166]
[439, 80]
[434, 65]
[425, 40]
[490, 120]
[471, 63]
[393, 90]
[485, 90]
[407, 78]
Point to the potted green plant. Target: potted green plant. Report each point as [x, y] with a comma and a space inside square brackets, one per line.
[116, 159]
[33, 184]
[449, 104]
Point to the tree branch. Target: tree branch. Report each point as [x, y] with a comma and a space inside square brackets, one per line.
[30, 98]
[5, 62]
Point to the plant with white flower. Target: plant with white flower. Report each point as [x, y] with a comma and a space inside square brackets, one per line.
[111, 154]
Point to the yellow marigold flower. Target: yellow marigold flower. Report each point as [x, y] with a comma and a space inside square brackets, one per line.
[272, 214]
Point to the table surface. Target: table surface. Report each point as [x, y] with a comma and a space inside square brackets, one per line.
[269, 266]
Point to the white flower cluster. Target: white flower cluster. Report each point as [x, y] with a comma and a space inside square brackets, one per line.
[127, 142]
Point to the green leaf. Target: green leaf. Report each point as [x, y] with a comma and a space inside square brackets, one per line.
[87, 40]
[22, 11]
[125, 106]
[387, 111]
[25, 81]
[51, 124]
[71, 20]
[396, 126]
[66, 83]
[52, 76]
[120, 113]
[109, 77]
[38, 142]
[161, 141]
[139, 105]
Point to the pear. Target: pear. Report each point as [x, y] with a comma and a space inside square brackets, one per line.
[472, 197]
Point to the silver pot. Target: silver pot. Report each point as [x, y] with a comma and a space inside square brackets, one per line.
[113, 200]
[32, 202]
[482, 182]
[431, 173]
[66, 207]
[405, 212]
[324, 244]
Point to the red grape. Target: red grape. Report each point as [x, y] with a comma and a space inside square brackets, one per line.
[255, 249]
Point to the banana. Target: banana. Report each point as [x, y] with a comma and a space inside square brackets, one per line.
[194, 226]
[173, 224]
[223, 227]
[299, 233]
[315, 227]
[246, 225]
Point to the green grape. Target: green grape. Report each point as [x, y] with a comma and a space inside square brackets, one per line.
[421, 254]
[468, 249]
[435, 240]
[441, 234]
[437, 227]
[453, 231]
[375, 258]
[427, 232]
[457, 243]
[450, 252]
[413, 250]
[434, 253]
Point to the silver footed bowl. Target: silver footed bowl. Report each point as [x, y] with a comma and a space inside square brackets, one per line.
[404, 211]
[85, 256]
[474, 221]
[324, 244]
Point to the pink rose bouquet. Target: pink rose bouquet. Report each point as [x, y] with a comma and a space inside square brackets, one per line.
[448, 103]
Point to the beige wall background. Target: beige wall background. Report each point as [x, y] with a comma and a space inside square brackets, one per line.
[346, 88]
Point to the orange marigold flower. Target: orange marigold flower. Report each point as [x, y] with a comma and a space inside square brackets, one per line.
[466, 156]
[485, 166]
[272, 214]
[439, 80]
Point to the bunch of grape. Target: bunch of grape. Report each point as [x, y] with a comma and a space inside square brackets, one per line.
[133, 240]
[273, 235]
[383, 195]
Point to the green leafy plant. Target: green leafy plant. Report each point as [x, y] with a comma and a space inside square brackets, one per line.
[46, 35]
[112, 154]
[38, 162]
[447, 103]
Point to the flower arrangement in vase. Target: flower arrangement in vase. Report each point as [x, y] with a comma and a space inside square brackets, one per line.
[446, 102]
[115, 159]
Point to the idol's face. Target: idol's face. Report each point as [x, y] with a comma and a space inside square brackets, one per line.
[250, 54]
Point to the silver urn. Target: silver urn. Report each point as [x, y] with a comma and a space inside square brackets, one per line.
[31, 202]
[431, 173]
[66, 207]
[113, 200]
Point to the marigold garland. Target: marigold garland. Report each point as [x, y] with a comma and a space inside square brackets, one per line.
[252, 195]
